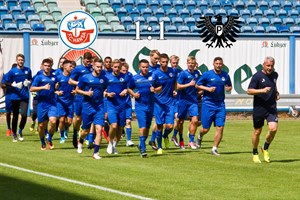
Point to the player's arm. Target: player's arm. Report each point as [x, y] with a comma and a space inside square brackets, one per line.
[183, 86]
[86, 93]
[252, 91]
[39, 88]
[136, 95]
[73, 82]
[205, 88]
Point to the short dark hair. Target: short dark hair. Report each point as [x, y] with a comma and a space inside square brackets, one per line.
[47, 60]
[14, 65]
[164, 55]
[67, 62]
[218, 58]
[87, 55]
[107, 57]
[73, 63]
[143, 61]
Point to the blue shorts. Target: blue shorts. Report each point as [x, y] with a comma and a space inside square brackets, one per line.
[92, 115]
[184, 109]
[144, 117]
[129, 112]
[216, 115]
[116, 116]
[78, 105]
[164, 114]
[45, 111]
[65, 110]
[199, 110]
[176, 106]
[105, 104]
[8, 105]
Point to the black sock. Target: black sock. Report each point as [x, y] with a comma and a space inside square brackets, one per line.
[255, 152]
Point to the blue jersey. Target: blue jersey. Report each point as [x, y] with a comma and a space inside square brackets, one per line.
[19, 75]
[117, 84]
[107, 71]
[128, 100]
[189, 94]
[53, 72]
[167, 80]
[153, 68]
[59, 71]
[47, 96]
[98, 84]
[78, 72]
[8, 88]
[63, 85]
[142, 85]
[211, 79]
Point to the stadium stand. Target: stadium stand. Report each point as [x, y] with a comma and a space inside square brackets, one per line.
[280, 14]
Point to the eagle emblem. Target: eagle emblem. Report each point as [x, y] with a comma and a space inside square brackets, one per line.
[219, 32]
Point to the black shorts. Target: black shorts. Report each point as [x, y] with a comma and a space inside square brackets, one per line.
[261, 113]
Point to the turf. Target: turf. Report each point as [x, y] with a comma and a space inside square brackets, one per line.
[177, 174]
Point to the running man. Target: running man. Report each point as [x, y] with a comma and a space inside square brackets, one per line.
[188, 103]
[214, 83]
[77, 73]
[263, 87]
[142, 87]
[44, 85]
[116, 104]
[19, 78]
[164, 102]
[92, 87]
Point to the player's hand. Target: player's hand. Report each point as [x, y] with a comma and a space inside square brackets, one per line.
[26, 83]
[47, 86]
[136, 95]
[90, 92]
[228, 88]
[267, 89]
[111, 94]
[174, 93]
[17, 85]
[277, 96]
[152, 89]
[123, 93]
[212, 89]
[192, 83]
[73, 92]
[59, 93]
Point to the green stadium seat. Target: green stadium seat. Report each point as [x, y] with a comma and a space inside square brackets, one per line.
[105, 28]
[113, 20]
[103, 4]
[42, 11]
[108, 12]
[25, 27]
[51, 3]
[96, 11]
[100, 20]
[47, 19]
[51, 27]
[118, 28]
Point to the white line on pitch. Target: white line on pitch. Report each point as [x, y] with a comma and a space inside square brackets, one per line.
[75, 182]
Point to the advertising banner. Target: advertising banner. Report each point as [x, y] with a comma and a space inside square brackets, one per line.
[242, 60]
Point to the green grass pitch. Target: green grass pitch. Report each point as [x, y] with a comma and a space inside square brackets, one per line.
[177, 174]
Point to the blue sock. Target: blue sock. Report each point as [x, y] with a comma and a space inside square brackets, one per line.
[180, 137]
[175, 132]
[87, 137]
[128, 133]
[20, 132]
[159, 139]
[90, 137]
[266, 145]
[43, 141]
[50, 138]
[96, 148]
[192, 138]
[153, 136]
[46, 131]
[143, 143]
[166, 133]
[62, 134]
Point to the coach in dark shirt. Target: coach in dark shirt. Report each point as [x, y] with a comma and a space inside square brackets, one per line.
[263, 87]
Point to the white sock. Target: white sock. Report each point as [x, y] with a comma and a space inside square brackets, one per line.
[214, 148]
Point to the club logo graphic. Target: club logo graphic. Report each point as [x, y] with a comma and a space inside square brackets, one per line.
[78, 30]
[77, 55]
[218, 32]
